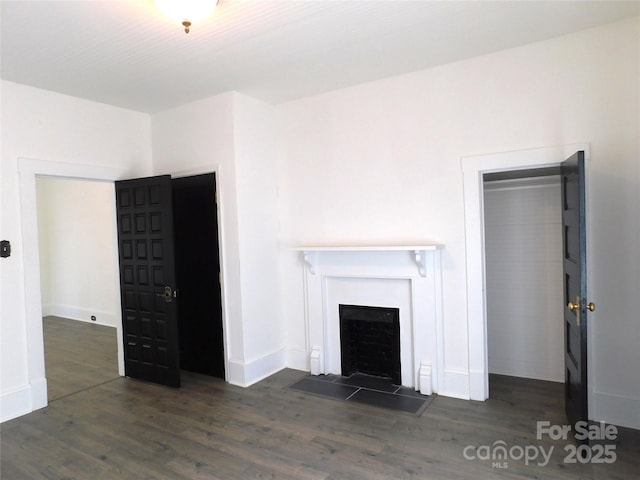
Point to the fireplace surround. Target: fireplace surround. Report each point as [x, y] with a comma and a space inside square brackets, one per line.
[407, 278]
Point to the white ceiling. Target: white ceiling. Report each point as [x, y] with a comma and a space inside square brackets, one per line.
[125, 53]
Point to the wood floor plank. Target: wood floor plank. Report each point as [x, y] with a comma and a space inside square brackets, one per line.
[78, 355]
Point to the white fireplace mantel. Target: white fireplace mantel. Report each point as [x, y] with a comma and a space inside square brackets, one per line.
[310, 254]
[404, 276]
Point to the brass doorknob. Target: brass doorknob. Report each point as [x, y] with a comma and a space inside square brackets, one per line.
[167, 294]
[573, 306]
[591, 306]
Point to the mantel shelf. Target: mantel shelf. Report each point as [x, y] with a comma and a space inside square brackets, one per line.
[419, 251]
[369, 248]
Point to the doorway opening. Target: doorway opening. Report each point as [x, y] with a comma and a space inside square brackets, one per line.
[523, 274]
[197, 263]
[473, 169]
[29, 170]
[78, 279]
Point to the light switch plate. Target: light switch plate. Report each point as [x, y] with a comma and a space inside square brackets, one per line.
[5, 248]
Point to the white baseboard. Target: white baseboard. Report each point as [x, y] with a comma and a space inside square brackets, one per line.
[22, 400]
[245, 374]
[477, 386]
[456, 384]
[618, 410]
[39, 397]
[47, 310]
[297, 358]
[108, 319]
[15, 403]
[235, 373]
[527, 370]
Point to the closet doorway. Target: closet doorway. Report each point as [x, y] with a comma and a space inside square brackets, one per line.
[524, 271]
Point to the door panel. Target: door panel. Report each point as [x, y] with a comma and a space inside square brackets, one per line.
[147, 279]
[575, 286]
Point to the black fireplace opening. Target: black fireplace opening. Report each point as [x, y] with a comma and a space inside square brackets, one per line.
[370, 341]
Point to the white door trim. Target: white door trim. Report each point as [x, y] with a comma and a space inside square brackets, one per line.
[28, 170]
[473, 168]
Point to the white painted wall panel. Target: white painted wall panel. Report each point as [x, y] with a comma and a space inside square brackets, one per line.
[523, 255]
[257, 197]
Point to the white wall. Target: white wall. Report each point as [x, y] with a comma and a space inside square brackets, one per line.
[257, 196]
[523, 258]
[233, 136]
[68, 132]
[380, 163]
[78, 262]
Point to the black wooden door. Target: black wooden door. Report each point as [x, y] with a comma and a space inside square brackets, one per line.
[575, 287]
[198, 274]
[147, 279]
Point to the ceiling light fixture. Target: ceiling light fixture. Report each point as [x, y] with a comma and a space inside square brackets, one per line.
[186, 11]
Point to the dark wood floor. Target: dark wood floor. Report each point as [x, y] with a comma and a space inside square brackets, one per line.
[78, 355]
[208, 429]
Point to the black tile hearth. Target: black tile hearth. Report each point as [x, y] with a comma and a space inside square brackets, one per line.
[386, 400]
[325, 378]
[368, 381]
[410, 392]
[365, 389]
[326, 389]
